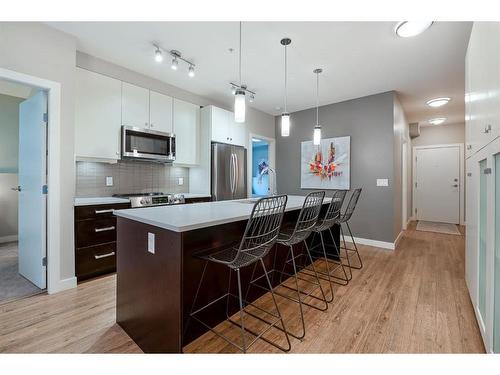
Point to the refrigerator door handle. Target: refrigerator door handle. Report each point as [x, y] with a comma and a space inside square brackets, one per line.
[231, 173]
[236, 173]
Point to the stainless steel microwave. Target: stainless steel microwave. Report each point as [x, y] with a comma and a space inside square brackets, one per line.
[147, 144]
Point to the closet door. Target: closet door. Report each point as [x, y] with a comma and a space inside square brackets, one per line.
[496, 283]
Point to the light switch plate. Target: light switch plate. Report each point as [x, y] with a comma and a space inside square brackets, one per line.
[109, 181]
[382, 182]
[151, 243]
[181, 181]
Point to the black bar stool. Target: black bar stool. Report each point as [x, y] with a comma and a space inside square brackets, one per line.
[304, 226]
[344, 219]
[260, 236]
[325, 224]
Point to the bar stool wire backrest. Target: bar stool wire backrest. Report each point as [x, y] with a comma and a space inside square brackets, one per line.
[262, 229]
[333, 212]
[346, 216]
[308, 217]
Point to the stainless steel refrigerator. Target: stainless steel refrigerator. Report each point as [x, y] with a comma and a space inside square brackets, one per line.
[229, 172]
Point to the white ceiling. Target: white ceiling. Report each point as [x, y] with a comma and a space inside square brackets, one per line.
[358, 59]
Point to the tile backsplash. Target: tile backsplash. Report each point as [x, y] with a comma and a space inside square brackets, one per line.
[128, 177]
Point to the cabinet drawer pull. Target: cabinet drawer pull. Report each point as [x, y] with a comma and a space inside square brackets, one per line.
[104, 255]
[104, 211]
[97, 230]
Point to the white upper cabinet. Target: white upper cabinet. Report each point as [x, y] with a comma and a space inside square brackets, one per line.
[135, 106]
[219, 124]
[224, 129]
[160, 112]
[97, 116]
[482, 86]
[186, 126]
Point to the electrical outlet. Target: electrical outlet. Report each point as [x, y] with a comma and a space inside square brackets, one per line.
[382, 182]
[181, 181]
[109, 181]
[151, 243]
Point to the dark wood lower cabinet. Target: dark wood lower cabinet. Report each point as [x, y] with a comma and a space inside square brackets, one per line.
[95, 240]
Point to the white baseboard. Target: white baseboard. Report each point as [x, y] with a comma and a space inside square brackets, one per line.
[398, 238]
[8, 238]
[375, 243]
[64, 284]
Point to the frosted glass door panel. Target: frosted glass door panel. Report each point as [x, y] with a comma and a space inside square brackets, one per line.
[496, 320]
[483, 222]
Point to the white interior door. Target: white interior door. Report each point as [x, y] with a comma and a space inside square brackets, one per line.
[437, 188]
[32, 178]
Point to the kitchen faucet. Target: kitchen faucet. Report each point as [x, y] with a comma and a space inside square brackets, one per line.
[269, 171]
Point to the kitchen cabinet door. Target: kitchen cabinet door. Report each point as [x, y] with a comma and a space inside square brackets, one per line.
[237, 131]
[135, 106]
[97, 116]
[219, 124]
[186, 126]
[160, 112]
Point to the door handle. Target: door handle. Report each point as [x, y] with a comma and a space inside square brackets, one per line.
[455, 185]
[104, 211]
[231, 177]
[97, 230]
[16, 188]
[236, 173]
[104, 255]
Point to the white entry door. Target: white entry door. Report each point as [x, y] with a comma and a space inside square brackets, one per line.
[32, 195]
[437, 184]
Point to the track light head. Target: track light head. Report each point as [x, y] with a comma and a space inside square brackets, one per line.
[175, 63]
[158, 55]
[191, 71]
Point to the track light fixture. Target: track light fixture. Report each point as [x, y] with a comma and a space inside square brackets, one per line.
[176, 56]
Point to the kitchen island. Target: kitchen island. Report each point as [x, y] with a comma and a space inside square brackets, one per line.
[157, 272]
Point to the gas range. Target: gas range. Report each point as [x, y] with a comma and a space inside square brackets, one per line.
[152, 199]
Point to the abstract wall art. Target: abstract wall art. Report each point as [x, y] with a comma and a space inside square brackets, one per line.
[326, 166]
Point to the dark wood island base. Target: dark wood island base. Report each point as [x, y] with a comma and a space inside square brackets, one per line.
[155, 291]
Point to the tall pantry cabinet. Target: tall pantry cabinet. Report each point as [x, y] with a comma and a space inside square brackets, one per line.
[482, 123]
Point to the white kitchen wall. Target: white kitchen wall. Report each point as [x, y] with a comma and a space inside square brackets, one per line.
[39, 50]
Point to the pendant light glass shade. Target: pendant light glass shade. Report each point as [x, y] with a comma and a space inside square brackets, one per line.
[317, 128]
[285, 124]
[285, 116]
[317, 135]
[239, 106]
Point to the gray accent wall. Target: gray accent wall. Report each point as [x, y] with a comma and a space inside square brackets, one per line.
[370, 123]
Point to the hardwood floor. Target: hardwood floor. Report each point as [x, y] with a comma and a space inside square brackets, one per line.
[412, 300]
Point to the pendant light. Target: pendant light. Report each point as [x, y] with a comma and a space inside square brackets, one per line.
[317, 128]
[285, 116]
[239, 96]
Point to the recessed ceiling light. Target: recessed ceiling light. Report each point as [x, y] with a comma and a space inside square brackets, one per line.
[406, 29]
[437, 120]
[438, 102]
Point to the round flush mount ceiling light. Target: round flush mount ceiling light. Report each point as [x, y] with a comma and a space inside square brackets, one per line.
[438, 102]
[406, 29]
[437, 120]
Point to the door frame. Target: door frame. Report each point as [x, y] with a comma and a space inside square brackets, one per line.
[54, 282]
[461, 178]
[272, 157]
[404, 184]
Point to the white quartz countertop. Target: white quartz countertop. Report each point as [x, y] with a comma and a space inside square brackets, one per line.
[195, 195]
[185, 217]
[90, 201]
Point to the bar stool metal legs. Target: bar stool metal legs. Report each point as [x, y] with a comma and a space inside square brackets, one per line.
[260, 236]
[352, 250]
